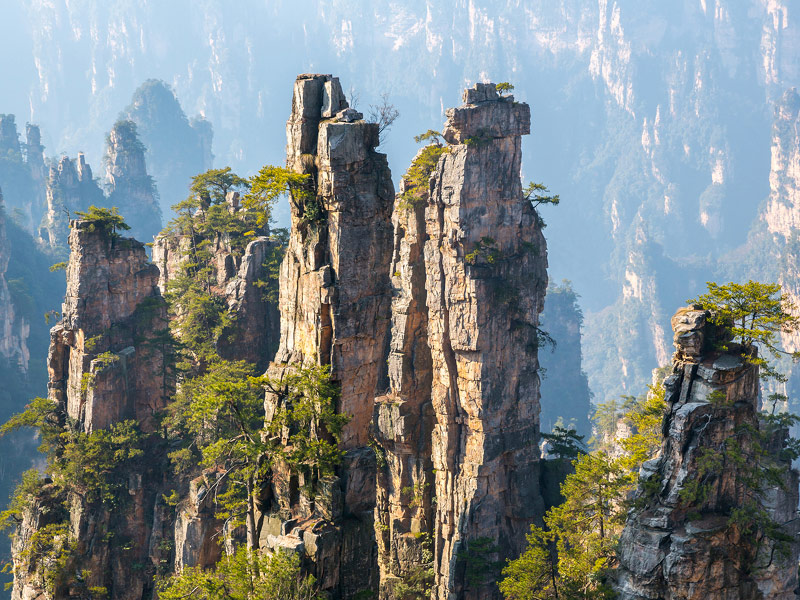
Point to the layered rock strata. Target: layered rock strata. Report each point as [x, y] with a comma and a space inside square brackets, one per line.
[683, 540]
[108, 363]
[485, 262]
[335, 302]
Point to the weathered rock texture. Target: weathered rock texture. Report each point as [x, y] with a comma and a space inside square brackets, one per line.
[107, 365]
[70, 188]
[683, 547]
[335, 300]
[565, 391]
[403, 421]
[238, 278]
[131, 189]
[485, 261]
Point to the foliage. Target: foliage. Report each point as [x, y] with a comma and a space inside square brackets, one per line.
[272, 182]
[431, 135]
[23, 496]
[746, 453]
[484, 252]
[479, 564]
[245, 575]
[59, 266]
[271, 266]
[538, 193]
[756, 314]
[221, 413]
[504, 87]
[104, 220]
[572, 555]
[307, 403]
[482, 138]
[565, 443]
[50, 551]
[211, 187]
[418, 583]
[419, 173]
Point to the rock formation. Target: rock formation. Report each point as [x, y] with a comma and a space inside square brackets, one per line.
[335, 301]
[12, 346]
[238, 278]
[107, 364]
[565, 391]
[22, 172]
[485, 262]
[70, 188]
[177, 148]
[403, 421]
[131, 189]
[683, 540]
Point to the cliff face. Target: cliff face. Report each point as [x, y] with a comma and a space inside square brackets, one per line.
[107, 364]
[485, 262]
[683, 540]
[403, 419]
[70, 187]
[131, 189]
[565, 389]
[335, 308]
[13, 349]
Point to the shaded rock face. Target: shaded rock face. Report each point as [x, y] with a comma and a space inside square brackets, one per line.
[177, 148]
[403, 418]
[22, 172]
[253, 334]
[335, 302]
[131, 189]
[683, 546]
[13, 331]
[565, 391]
[485, 262]
[107, 364]
[70, 187]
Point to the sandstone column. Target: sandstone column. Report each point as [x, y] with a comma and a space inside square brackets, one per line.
[485, 261]
[335, 302]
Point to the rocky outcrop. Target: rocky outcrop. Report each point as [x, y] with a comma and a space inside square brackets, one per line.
[112, 302]
[131, 189]
[70, 188]
[177, 148]
[13, 331]
[107, 363]
[403, 420]
[485, 262]
[335, 299]
[683, 540]
[240, 279]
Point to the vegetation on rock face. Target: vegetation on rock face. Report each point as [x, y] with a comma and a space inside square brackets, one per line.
[418, 175]
[570, 557]
[755, 314]
[105, 220]
[245, 575]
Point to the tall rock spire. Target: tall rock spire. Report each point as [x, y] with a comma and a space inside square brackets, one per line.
[486, 276]
[335, 302]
